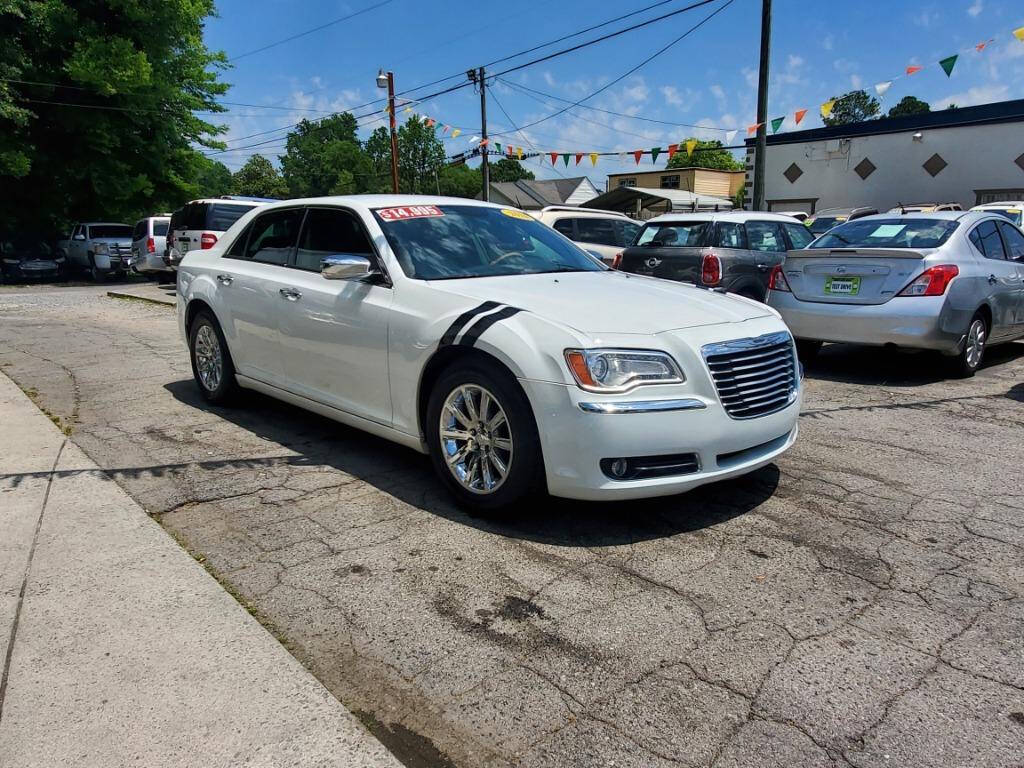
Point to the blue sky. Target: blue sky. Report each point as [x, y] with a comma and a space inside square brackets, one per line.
[709, 79]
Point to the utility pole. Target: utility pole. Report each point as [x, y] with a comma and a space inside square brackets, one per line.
[477, 76]
[387, 80]
[762, 105]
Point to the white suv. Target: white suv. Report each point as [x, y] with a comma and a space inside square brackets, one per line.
[199, 224]
[605, 233]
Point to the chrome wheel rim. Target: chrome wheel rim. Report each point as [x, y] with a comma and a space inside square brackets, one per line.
[209, 361]
[476, 439]
[975, 343]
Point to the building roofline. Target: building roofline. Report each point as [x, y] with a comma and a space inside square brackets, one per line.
[998, 112]
[663, 170]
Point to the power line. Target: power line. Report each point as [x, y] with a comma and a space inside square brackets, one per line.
[310, 31]
[525, 137]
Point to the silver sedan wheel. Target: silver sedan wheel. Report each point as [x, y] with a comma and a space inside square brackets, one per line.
[476, 439]
[975, 342]
[209, 359]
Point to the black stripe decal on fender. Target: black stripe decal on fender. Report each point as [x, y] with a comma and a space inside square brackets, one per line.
[462, 320]
[469, 338]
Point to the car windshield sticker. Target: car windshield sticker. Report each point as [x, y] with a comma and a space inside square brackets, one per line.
[516, 214]
[888, 230]
[409, 212]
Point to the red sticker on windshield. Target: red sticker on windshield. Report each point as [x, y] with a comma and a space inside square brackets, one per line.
[409, 212]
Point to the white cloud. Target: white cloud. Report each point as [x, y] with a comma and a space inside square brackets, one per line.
[750, 76]
[717, 91]
[828, 41]
[925, 18]
[549, 79]
[975, 8]
[982, 94]
[856, 82]
[671, 95]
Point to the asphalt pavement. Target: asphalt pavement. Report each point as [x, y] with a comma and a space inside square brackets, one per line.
[861, 603]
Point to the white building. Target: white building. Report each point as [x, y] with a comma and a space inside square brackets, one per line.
[969, 155]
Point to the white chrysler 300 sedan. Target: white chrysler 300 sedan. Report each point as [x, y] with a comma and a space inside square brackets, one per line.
[480, 336]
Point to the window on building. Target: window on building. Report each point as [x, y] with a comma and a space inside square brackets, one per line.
[670, 182]
[631, 182]
[984, 196]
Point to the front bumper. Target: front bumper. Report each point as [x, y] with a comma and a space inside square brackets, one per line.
[574, 440]
[918, 322]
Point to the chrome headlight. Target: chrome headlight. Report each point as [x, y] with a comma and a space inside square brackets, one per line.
[100, 248]
[619, 370]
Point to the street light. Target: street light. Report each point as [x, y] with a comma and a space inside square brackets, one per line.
[387, 80]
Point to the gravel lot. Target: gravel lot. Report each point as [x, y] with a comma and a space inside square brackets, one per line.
[861, 603]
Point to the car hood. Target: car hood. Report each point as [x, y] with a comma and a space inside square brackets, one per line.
[608, 301]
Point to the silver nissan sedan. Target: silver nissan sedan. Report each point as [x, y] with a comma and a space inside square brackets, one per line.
[949, 281]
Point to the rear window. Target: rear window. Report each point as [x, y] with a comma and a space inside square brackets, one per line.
[679, 235]
[220, 216]
[888, 233]
[159, 228]
[110, 230]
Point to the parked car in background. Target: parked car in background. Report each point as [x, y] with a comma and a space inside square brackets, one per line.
[605, 233]
[29, 257]
[1013, 210]
[925, 207]
[198, 225]
[475, 334]
[99, 248]
[149, 240]
[822, 221]
[798, 215]
[733, 251]
[949, 281]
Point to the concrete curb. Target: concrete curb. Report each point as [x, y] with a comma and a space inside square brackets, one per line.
[151, 299]
[118, 649]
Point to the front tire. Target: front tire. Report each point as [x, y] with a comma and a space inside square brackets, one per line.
[967, 363]
[482, 437]
[95, 273]
[211, 361]
[807, 350]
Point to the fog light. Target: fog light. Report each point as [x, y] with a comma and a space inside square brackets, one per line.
[620, 467]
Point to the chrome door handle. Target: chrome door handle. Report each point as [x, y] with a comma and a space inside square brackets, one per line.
[993, 279]
[764, 267]
[290, 294]
[225, 279]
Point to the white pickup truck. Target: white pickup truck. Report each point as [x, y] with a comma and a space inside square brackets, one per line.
[100, 248]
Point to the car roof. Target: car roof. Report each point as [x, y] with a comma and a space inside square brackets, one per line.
[371, 202]
[931, 216]
[571, 210]
[739, 216]
[226, 201]
[104, 224]
[842, 211]
[1002, 205]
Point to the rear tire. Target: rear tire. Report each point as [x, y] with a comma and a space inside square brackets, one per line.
[807, 350]
[969, 360]
[490, 440]
[212, 367]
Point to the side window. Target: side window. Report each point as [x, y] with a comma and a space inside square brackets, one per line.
[565, 227]
[141, 230]
[629, 231]
[598, 231]
[273, 237]
[765, 236]
[799, 235]
[196, 216]
[237, 249]
[991, 244]
[77, 230]
[330, 232]
[1014, 241]
[729, 234]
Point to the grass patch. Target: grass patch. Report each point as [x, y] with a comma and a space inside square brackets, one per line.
[33, 394]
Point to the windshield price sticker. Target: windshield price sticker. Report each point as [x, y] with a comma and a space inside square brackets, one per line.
[888, 230]
[512, 213]
[409, 212]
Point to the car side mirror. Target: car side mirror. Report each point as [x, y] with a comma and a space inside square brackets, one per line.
[79, 237]
[346, 266]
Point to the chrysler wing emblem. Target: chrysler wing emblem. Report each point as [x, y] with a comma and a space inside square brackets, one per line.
[841, 270]
[653, 262]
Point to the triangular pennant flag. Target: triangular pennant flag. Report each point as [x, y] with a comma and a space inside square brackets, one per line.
[655, 151]
[484, 142]
[474, 140]
[912, 69]
[565, 156]
[948, 63]
[638, 154]
[752, 129]
[622, 157]
[981, 46]
[672, 149]
[446, 128]
[519, 152]
[430, 122]
[881, 88]
[730, 137]
[407, 109]
[799, 115]
[593, 158]
[456, 132]
[691, 144]
[509, 151]
[826, 108]
[777, 123]
[1019, 33]
[554, 157]
[497, 146]
[579, 156]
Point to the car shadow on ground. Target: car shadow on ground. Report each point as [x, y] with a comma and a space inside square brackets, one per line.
[409, 476]
[856, 364]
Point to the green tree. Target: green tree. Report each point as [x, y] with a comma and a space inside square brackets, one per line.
[259, 178]
[852, 107]
[326, 158]
[461, 181]
[211, 178]
[909, 105]
[707, 154]
[136, 73]
[420, 156]
[507, 169]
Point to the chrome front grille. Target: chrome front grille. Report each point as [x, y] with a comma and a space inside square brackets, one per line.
[755, 376]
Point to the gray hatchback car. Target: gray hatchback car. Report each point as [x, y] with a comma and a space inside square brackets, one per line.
[949, 281]
[733, 251]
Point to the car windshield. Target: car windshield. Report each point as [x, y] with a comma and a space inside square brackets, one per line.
[445, 242]
[888, 233]
[110, 230]
[675, 235]
[823, 224]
